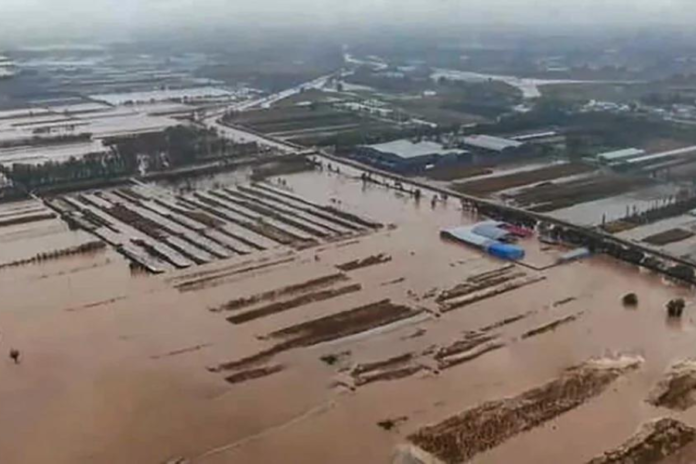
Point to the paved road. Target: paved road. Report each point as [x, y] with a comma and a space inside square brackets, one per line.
[212, 118]
[269, 100]
[243, 136]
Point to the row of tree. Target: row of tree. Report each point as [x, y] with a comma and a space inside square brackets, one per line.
[126, 156]
[91, 166]
[179, 146]
[52, 140]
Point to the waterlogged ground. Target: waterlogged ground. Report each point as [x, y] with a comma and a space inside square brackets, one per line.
[291, 355]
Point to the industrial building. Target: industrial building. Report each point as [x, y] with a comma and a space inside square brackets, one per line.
[634, 159]
[665, 158]
[534, 136]
[548, 138]
[488, 147]
[492, 144]
[619, 156]
[406, 156]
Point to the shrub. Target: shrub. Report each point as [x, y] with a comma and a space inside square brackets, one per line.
[630, 299]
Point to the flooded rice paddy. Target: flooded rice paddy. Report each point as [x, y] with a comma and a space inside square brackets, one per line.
[159, 231]
[289, 327]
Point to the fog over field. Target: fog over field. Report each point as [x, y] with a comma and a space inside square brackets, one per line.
[41, 19]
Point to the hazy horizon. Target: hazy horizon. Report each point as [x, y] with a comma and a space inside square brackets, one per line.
[43, 20]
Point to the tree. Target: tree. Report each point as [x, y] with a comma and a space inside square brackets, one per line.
[181, 144]
[683, 272]
[675, 307]
[630, 299]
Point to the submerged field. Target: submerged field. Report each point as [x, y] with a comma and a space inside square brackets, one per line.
[396, 342]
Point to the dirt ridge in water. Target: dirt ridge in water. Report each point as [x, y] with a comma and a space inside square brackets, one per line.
[489, 292]
[312, 284]
[469, 342]
[365, 262]
[655, 441]
[218, 279]
[328, 328]
[394, 368]
[551, 326]
[255, 373]
[677, 389]
[390, 374]
[461, 437]
[470, 355]
[345, 323]
[478, 282]
[302, 300]
[506, 322]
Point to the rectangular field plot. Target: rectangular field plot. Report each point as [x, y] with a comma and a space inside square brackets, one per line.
[159, 231]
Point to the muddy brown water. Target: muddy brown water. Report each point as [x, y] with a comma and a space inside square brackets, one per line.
[97, 383]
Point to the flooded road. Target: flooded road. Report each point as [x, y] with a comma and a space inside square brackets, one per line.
[267, 357]
[244, 136]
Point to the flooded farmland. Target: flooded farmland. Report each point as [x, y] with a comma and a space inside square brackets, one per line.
[318, 318]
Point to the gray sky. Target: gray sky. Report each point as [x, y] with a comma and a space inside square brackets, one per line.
[68, 16]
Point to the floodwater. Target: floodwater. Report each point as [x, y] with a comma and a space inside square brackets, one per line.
[240, 136]
[114, 364]
[99, 120]
[614, 208]
[685, 248]
[43, 234]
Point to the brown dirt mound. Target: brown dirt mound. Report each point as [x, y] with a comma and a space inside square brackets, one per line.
[677, 390]
[389, 374]
[615, 227]
[488, 425]
[551, 326]
[654, 442]
[378, 365]
[240, 303]
[467, 356]
[220, 278]
[488, 292]
[302, 300]
[253, 374]
[668, 236]
[564, 301]
[366, 262]
[345, 323]
[329, 328]
[85, 248]
[469, 342]
[397, 367]
[478, 282]
[505, 322]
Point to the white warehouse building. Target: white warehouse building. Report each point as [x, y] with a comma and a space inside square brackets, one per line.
[620, 156]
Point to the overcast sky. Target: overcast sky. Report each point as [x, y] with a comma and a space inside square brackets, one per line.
[65, 17]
